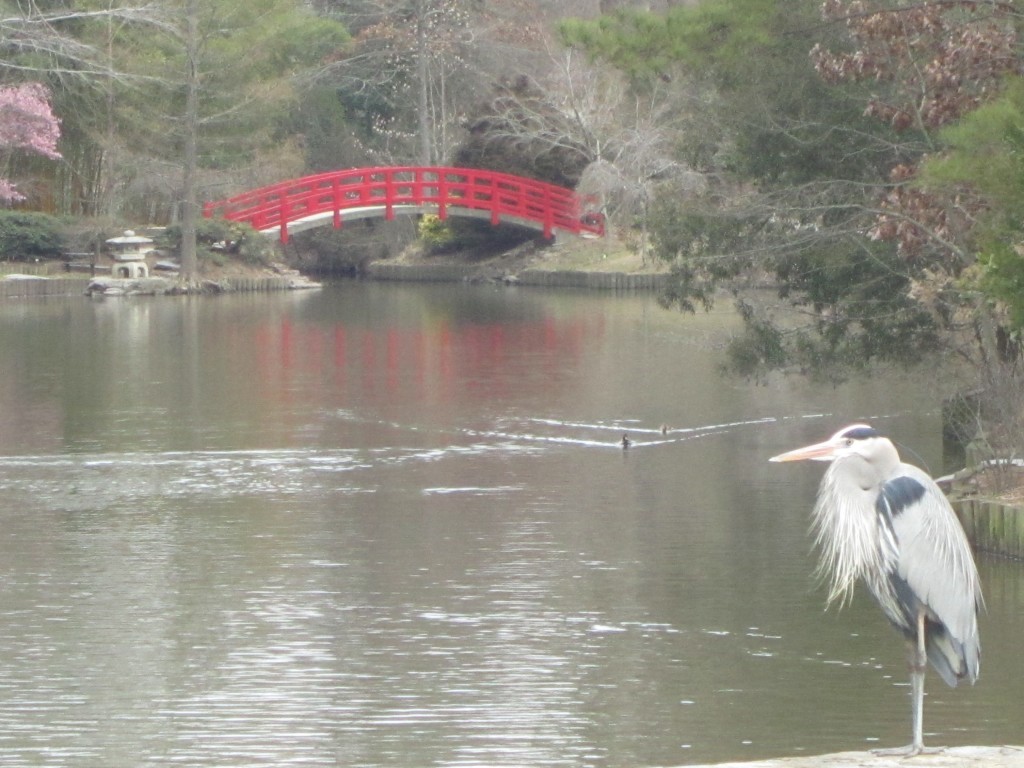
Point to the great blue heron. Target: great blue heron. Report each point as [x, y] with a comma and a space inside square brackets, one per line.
[888, 523]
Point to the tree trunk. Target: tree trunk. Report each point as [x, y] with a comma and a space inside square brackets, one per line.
[422, 11]
[190, 200]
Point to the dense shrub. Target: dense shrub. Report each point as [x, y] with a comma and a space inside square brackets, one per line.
[26, 236]
[436, 235]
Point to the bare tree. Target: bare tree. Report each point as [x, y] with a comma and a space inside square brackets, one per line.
[410, 75]
[36, 41]
[588, 116]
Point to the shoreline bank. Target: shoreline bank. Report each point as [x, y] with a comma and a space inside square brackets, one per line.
[552, 278]
[604, 264]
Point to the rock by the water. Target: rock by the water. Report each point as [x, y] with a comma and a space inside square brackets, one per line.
[142, 286]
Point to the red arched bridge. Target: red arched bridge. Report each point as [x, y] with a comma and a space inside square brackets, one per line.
[358, 193]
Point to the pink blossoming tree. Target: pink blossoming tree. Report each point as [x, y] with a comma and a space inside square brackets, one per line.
[27, 123]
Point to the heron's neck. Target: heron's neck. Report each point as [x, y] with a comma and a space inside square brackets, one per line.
[846, 532]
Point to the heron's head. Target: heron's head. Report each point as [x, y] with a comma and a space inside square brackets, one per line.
[856, 440]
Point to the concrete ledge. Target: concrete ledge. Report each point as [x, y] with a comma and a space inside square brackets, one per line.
[953, 757]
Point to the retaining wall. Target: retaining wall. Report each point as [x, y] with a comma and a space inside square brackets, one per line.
[455, 273]
[50, 287]
[992, 526]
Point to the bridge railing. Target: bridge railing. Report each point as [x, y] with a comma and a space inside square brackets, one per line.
[400, 189]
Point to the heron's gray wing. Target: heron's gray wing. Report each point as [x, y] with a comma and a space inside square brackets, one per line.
[934, 569]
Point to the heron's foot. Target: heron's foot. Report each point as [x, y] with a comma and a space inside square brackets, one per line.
[911, 750]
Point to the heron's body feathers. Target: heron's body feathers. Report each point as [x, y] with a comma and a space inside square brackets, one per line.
[937, 567]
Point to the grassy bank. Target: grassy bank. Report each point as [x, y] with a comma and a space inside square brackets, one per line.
[571, 262]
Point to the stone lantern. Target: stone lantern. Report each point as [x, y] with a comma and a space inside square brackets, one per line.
[129, 252]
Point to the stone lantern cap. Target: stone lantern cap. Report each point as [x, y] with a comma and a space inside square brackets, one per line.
[129, 246]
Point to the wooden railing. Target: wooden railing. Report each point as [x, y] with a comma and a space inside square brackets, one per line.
[356, 193]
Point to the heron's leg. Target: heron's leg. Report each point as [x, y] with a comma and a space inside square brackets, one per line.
[916, 699]
[917, 670]
[918, 665]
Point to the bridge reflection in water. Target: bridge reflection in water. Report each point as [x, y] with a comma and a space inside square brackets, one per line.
[356, 193]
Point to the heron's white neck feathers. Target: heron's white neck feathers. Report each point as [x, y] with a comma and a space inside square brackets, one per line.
[846, 533]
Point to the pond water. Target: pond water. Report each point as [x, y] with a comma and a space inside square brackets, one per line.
[393, 525]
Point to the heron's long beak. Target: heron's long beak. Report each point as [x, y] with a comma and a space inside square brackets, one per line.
[825, 451]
